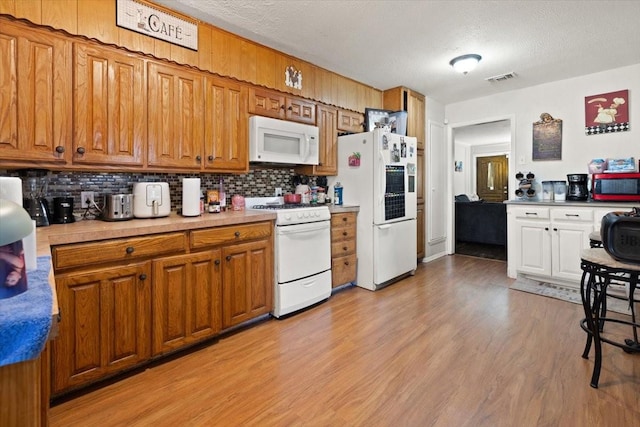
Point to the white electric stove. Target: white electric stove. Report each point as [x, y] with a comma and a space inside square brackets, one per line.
[302, 253]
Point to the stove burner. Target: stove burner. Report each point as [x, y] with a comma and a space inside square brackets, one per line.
[284, 206]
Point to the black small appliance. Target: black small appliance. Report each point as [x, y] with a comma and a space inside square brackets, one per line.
[621, 235]
[34, 189]
[578, 189]
[63, 210]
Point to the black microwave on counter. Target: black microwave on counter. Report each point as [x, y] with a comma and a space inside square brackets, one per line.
[620, 187]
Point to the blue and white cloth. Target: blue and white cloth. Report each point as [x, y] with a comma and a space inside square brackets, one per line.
[25, 319]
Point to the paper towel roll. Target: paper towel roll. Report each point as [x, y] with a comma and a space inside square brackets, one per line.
[11, 189]
[30, 250]
[191, 197]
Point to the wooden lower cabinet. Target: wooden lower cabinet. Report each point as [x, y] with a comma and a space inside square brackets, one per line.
[247, 289]
[186, 300]
[138, 298]
[105, 324]
[420, 232]
[343, 248]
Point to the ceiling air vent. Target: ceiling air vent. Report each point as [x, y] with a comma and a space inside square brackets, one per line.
[501, 77]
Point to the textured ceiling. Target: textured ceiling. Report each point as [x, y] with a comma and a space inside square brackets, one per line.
[386, 43]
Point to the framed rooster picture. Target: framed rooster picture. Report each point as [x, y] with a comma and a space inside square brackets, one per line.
[607, 113]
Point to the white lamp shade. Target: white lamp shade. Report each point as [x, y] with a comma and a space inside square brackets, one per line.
[465, 63]
[15, 222]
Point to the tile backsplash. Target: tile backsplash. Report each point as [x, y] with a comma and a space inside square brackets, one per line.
[258, 182]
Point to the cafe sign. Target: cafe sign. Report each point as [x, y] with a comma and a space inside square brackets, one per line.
[147, 20]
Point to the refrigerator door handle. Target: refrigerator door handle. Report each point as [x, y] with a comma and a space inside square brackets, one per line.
[382, 172]
[384, 227]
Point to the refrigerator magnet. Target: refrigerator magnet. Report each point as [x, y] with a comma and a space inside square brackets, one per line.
[354, 159]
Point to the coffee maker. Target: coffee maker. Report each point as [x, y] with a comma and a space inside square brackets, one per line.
[578, 189]
[34, 192]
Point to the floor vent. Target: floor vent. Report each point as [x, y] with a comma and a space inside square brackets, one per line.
[501, 77]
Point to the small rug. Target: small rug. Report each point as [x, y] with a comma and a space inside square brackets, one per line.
[569, 294]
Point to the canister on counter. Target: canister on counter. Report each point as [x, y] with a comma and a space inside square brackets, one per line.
[337, 194]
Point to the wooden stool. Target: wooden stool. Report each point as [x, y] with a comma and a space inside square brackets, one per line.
[599, 270]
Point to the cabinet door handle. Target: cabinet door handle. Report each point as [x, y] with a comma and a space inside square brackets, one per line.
[344, 248]
[344, 233]
[237, 234]
[346, 263]
[216, 262]
[210, 158]
[59, 149]
[546, 229]
[228, 258]
[282, 107]
[555, 229]
[198, 158]
[130, 249]
[143, 276]
[289, 108]
[80, 150]
[344, 218]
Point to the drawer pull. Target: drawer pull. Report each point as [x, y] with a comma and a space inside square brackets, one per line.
[531, 213]
[228, 258]
[143, 276]
[130, 249]
[572, 215]
[216, 262]
[346, 263]
[344, 218]
[344, 248]
[59, 149]
[237, 234]
[344, 233]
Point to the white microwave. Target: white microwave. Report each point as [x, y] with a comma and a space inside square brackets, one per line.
[281, 141]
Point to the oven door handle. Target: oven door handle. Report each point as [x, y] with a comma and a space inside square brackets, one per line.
[303, 228]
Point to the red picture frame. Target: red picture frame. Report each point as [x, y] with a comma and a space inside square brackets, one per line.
[607, 112]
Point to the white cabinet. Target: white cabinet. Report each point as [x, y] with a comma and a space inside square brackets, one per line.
[546, 241]
[570, 228]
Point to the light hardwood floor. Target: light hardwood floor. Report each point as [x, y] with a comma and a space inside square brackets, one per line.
[450, 346]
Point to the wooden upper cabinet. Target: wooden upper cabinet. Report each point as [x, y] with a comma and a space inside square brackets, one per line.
[349, 121]
[300, 110]
[403, 99]
[109, 106]
[35, 94]
[270, 103]
[175, 117]
[226, 135]
[416, 117]
[328, 154]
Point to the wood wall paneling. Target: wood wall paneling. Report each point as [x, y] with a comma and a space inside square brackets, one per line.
[28, 9]
[62, 14]
[247, 61]
[135, 41]
[265, 66]
[97, 19]
[308, 80]
[204, 47]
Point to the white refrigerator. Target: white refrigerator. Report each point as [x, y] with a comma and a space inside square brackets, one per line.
[377, 171]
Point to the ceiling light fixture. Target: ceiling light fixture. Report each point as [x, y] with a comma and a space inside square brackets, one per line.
[465, 63]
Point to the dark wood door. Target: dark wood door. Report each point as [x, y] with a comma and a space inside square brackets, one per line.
[492, 178]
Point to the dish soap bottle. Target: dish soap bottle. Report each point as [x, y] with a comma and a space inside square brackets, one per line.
[337, 194]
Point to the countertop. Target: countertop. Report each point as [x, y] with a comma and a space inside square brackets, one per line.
[343, 208]
[584, 204]
[93, 230]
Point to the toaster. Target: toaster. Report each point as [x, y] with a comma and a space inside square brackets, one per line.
[117, 207]
[151, 199]
[621, 235]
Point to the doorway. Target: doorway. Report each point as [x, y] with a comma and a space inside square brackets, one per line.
[481, 156]
[492, 178]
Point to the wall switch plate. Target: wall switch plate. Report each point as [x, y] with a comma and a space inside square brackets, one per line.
[87, 199]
